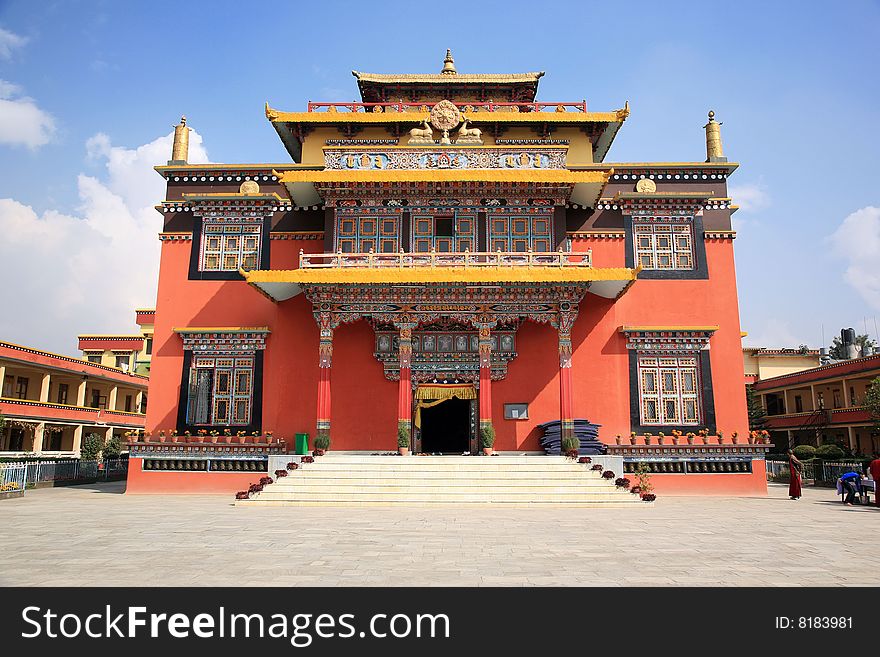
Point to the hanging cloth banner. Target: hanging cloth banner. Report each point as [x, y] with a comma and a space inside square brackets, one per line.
[446, 391]
[439, 393]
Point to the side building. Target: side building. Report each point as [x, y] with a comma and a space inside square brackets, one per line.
[49, 402]
[822, 405]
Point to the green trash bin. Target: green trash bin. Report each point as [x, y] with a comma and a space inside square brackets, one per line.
[301, 443]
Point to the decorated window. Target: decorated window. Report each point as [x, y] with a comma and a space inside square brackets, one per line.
[669, 390]
[663, 244]
[230, 245]
[444, 231]
[220, 391]
[362, 234]
[520, 233]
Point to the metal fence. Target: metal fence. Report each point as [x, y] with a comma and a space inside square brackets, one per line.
[819, 471]
[37, 472]
[12, 476]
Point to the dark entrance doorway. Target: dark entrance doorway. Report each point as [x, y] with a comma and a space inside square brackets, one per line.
[446, 427]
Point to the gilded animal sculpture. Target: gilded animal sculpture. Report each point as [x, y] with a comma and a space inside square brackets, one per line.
[468, 135]
[423, 135]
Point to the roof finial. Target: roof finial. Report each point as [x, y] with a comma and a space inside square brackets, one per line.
[448, 64]
[180, 148]
[714, 151]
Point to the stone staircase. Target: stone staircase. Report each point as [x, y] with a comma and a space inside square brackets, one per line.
[529, 481]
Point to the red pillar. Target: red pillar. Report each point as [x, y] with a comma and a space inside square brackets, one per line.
[325, 360]
[404, 391]
[566, 414]
[485, 346]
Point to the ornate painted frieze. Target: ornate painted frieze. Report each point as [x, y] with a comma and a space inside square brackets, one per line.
[223, 341]
[667, 341]
[458, 158]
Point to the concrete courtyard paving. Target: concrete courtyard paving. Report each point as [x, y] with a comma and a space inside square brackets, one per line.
[94, 535]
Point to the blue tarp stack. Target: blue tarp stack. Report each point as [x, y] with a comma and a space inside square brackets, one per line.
[587, 433]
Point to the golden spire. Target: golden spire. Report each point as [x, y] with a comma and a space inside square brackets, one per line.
[448, 64]
[714, 151]
[180, 149]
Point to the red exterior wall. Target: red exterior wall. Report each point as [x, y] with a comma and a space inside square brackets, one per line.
[142, 482]
[364, 403]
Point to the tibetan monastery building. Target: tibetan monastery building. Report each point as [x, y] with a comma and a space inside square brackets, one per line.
[445, 255]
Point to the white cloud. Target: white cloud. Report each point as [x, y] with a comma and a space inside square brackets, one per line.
[22, 123]
[775, 333]
[857, 240]
[750, 196]
[87, 272]
[9, 41]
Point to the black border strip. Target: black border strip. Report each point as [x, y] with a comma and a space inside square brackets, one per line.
[707, 398]
[256, 400]
[701, 269]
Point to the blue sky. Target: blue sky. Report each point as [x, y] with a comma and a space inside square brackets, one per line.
[89, 91]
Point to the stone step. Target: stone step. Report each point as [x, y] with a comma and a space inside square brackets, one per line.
[592, 504]
[437, 479]
[411, 473]
[384, 458]
[442, 496]
[548, 487]
[437, 466]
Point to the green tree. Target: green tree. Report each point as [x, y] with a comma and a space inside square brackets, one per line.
[112, 449]
[757, 416]
[872, 402]
[91, 447]
[837, 352]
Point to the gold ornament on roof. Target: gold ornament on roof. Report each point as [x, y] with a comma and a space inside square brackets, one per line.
[448, 64]
[423, 135]
[468, 135]
[646, 186]
[249, 187]
[445, 115]
[180, 147]
[714, 150]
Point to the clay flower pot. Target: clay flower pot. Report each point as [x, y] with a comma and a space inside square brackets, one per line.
[403, 451]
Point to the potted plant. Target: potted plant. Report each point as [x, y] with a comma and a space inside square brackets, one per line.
[734, 437]
[487, 438]
[214, 436]
[660, 437]
[647, 438]
[720, 435]
[322, 443]
[403, 438]
[632, 437]
[676, 436]
[622, 482]
[617, 439]
[570, 446]
[751, 436]
[690, 437]
[643, 476]
[704, 434]
[765, 437]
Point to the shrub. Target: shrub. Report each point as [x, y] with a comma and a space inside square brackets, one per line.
[322, 440]
[242, 495]
[280, 473]
[91, 447]
[608, 474]
[403, 434]
[307, 459]
[649, 497]
[570, 444]
[804, 452]
[112, 449]
[597, 467]
[487, 436]
[830, 452]
[622, 482]
[292, 465]
[585, 459]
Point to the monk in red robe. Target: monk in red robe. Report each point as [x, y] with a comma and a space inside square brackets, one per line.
[796, 468]
[874, 469]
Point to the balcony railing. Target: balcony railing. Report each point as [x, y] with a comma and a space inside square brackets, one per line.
[434, 259]
[424, 107]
